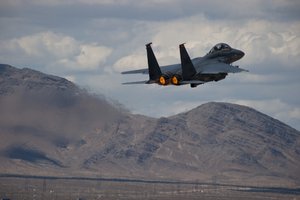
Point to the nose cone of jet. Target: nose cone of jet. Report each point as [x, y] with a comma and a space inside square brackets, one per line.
[240, 53]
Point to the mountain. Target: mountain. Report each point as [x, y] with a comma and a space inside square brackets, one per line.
[49, 126]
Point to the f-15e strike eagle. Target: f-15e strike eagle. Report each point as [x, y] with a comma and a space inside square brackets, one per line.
[214, 66]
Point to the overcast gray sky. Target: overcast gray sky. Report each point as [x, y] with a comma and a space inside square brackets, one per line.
[91, 41]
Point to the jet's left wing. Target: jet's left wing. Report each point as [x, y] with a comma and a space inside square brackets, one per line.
[216, 68]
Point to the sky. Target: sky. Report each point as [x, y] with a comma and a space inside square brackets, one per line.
[90, 42]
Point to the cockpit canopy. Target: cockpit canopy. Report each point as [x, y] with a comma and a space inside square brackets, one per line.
[220, 47]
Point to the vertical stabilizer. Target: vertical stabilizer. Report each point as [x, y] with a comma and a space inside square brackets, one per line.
[188, 69]
[153, 67]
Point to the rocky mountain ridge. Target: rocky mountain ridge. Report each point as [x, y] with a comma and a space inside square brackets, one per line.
[50, 126]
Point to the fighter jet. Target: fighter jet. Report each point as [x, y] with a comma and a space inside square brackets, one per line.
[214, 66]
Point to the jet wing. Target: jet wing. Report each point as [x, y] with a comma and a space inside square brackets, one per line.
[216, 68]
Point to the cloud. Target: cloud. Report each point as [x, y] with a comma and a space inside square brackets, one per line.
[272, 52]
[130, 62]
[156, 9]
[55, 51]
[89, 58]
[270, 47]
[42, 45]
[93, 41]
[88, 2]
[270, 42]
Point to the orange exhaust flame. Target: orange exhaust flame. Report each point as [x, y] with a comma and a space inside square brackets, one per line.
[175, 80]
[162, 80]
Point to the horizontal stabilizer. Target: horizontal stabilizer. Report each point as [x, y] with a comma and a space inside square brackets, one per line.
[138, 71]
[135, 82]
[139, 82]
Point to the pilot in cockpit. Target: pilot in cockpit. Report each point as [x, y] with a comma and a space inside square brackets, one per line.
[219, 47]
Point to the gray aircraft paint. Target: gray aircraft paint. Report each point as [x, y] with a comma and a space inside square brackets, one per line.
[214, 66]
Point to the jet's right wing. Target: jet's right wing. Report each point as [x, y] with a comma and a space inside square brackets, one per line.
[216, 68]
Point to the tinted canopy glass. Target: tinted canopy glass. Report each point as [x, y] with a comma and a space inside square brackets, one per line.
[220, 47]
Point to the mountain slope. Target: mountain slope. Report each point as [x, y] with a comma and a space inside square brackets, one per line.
[42, 115]
[240, 140]
[51, 127]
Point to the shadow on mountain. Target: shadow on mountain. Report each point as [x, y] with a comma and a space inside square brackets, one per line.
[29, 155]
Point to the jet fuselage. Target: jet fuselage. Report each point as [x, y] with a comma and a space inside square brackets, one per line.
[214, 66]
